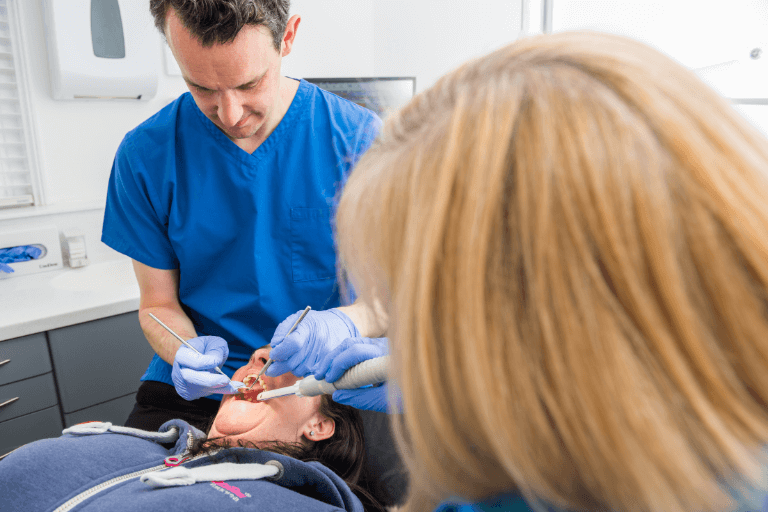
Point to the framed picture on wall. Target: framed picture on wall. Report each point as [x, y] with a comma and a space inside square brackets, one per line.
[383, 95]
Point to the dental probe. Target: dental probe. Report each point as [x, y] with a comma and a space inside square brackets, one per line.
[372, 371]
[270, 361]
[184, 342]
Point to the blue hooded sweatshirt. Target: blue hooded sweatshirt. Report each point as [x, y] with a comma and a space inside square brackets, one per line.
[99, 467]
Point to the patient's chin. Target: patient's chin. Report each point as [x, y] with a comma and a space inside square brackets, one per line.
[232, 424]
[237, 415]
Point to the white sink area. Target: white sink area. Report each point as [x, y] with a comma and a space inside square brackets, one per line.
[50, 300]
[101, 276]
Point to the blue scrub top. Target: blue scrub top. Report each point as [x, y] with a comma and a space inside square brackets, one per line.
[250, 234]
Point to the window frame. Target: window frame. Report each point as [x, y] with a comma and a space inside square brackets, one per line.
[28, 128]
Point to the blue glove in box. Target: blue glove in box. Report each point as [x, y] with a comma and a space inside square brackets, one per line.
[29, 252]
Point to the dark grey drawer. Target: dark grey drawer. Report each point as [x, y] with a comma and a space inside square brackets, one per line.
[98, 361]
[115, 411]
[28, 356]
[33, 394]
[25, 429]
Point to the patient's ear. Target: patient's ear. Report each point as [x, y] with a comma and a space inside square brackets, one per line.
[319, 428]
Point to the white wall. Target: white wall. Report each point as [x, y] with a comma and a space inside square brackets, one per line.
[695, 33]
[428, 38]
[756, 114]
[421, 38]
[335, 39]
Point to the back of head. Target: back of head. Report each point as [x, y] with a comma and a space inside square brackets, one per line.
[571, 234]
[219, 21]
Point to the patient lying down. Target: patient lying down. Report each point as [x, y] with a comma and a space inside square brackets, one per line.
[288, 453]
[289, 419]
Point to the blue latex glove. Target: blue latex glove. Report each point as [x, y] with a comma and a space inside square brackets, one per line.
[17, 254]
[20, 253]
[373, 398]
[349, 353]
[315, 336]
[194, 375]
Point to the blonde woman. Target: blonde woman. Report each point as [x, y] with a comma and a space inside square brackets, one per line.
[570, 239]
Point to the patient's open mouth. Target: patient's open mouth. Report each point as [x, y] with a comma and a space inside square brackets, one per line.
[250, 395]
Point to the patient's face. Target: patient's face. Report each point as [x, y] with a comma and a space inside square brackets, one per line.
[279, 419]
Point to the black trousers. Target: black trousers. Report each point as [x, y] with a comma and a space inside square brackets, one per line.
[157, 402]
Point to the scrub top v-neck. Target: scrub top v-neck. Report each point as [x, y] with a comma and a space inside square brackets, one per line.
[250, 233]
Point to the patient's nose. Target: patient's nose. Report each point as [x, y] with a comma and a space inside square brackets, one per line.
[261, 356]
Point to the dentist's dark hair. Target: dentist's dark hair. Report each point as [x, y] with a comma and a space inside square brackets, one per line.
[219, 21]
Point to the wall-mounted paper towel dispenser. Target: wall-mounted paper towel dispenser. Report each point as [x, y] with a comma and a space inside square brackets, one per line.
[101, 49]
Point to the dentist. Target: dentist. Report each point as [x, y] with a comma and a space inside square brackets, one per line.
[224, 199]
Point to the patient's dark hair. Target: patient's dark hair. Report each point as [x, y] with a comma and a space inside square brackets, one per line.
[343, 452]
[219, 21]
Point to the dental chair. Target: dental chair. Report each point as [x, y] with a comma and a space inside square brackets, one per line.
[384, 475]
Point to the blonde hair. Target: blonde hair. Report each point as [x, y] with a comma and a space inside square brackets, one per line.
[571, 238]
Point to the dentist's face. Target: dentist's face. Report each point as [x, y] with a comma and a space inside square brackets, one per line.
[288, 418]
[236, 85]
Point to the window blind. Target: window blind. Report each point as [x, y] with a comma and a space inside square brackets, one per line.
[16, 184]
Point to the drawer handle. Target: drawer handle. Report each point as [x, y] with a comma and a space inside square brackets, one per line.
[8, 402]
[5, 362]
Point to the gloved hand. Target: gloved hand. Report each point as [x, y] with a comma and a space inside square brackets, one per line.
[318, 333]
[194, 375]
[349, 353]
[373, 398]
[6, 268]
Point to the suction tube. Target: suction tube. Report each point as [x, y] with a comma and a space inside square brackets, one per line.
[372, 371]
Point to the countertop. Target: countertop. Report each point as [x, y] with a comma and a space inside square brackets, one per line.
[49, 300]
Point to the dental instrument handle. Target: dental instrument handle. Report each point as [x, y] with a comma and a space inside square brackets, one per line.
[277, 393]
[183, 341]
[270, 361]
[372, 371]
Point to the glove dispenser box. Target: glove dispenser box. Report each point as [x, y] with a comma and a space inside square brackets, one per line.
[101, 49]
[46, 239]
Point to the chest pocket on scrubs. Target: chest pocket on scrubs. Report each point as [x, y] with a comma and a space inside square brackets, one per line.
[313, 256]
